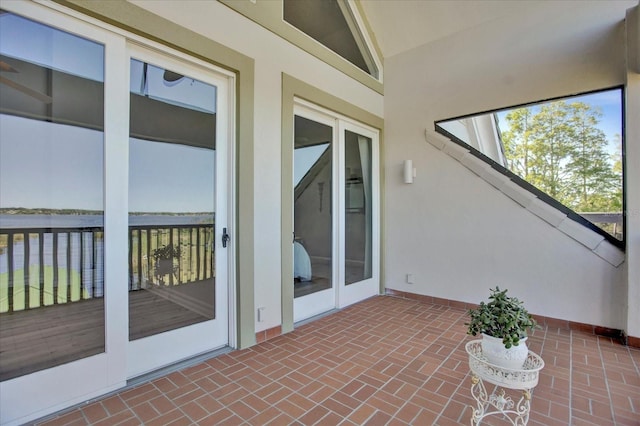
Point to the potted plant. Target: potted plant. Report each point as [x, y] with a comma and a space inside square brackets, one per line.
[503, 323]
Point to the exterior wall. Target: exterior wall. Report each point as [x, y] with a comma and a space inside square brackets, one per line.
[220, 23]
[455, 233]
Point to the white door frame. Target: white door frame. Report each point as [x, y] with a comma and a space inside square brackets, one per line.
[355, 292]
[322, 301]
[150, 353]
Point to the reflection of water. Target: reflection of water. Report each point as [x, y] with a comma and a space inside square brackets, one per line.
[8, 221]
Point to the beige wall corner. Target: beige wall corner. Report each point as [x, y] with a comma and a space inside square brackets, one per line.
[632, 171]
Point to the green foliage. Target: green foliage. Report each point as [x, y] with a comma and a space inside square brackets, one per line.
[503, 317]
[559, 149]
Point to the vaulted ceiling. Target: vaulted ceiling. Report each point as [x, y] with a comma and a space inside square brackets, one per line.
[401, 25]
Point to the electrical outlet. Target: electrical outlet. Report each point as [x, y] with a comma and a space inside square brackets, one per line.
[409, 278]
[261, 313]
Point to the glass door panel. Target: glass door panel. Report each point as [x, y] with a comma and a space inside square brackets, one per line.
[336, 220]
[174, 196]
[359, 258]
[51, 197]
[358, 192]
[313, 218]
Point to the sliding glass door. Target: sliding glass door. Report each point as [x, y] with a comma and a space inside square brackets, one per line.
[51, 197]
[177, 182]
[115, 170]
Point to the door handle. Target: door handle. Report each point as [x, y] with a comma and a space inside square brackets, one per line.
[225, 237]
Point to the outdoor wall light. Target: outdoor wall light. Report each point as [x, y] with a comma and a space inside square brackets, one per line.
[409, 171]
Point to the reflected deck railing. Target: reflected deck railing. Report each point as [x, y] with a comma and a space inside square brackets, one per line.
[47, 266]
[53, 266]
[190, 260]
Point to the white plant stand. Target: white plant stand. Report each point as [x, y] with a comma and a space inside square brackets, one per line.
[505, 381]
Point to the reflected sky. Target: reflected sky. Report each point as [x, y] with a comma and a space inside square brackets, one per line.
[49, 165]
[166, 177]
[33, 42]
[44, 165]
[304, 158]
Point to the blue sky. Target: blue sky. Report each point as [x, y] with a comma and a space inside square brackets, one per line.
[609, 103]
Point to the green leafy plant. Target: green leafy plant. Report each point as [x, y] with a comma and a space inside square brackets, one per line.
[502, 317]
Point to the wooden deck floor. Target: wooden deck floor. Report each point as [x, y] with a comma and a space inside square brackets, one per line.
[36, 339]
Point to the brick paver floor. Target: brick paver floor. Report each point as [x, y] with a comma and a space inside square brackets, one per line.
[384, 361]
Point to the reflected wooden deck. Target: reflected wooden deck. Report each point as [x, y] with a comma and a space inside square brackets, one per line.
[41, 338]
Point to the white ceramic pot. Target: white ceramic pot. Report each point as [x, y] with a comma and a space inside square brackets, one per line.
[495, 352]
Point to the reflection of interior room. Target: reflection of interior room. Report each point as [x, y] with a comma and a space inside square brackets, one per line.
[313, 216]
[358, 227]
[312, 208]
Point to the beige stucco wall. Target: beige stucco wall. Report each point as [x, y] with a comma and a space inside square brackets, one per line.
[632, 147]
[273, 56]
[454, 232]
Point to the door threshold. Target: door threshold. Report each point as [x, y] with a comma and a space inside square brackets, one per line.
[163, 371]
[314, 318]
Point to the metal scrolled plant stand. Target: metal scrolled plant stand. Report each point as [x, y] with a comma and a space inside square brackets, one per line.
[499, 402]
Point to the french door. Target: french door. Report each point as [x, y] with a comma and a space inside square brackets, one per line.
[336, 222]
[178, 131]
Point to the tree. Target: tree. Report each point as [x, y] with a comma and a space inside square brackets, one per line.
[592, 177]
[517, 142]
[559, 148]
[552, 141]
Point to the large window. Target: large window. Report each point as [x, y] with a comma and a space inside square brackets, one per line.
[570, 149]
[51, 197]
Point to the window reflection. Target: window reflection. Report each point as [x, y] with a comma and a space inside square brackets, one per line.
[358, 227]
[312, 207]
[171, 200]
[51, 192]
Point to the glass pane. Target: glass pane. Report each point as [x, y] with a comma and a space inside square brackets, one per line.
[171, 201]
[357, 208]
[312, 207]
[569, 148]
[51, 197]
[331, 23]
